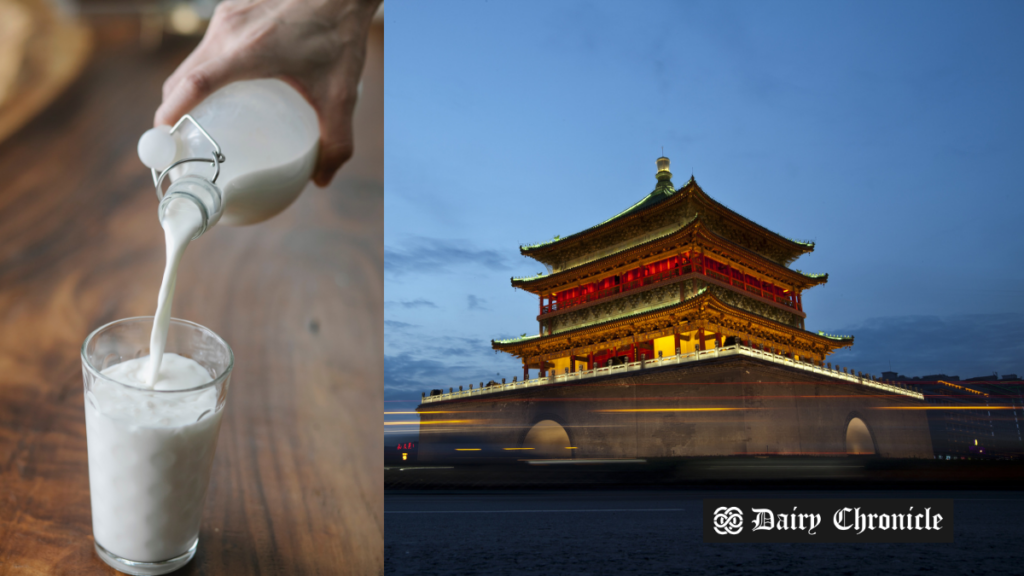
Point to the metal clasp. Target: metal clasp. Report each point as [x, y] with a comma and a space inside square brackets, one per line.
[218, 157]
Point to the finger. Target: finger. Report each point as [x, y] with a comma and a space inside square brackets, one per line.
[194, 87]
[333, 154]
[336, 144]
[194, 60]
[212, 44]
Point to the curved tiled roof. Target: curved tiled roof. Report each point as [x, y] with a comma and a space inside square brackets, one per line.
[661, 193]
[821, 278]
[515, 340]
[838, 337]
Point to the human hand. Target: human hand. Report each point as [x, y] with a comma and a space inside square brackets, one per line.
[317, 46]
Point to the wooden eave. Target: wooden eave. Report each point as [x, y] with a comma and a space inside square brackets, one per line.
[690, 191]
[659, 248]
[703, 310]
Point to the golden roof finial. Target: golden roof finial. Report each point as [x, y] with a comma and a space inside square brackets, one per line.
[664, 174]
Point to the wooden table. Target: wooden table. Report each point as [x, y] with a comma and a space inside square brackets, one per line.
[297, 481]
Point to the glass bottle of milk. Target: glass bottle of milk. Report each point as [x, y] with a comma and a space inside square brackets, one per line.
[241, 156]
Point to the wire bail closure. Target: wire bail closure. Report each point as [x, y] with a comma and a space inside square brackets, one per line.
[216, 160]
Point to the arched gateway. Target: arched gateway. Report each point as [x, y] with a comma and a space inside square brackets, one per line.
[858, 438]
[548, 439]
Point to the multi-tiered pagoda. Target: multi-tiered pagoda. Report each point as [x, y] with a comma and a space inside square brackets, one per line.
[675, 272]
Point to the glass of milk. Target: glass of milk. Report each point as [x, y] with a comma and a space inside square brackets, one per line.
[151, 448]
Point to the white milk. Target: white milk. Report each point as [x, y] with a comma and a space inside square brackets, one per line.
[150, 450]
[150, 453]
[181, 221]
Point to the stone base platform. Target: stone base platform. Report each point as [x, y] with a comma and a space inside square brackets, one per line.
[735, 405]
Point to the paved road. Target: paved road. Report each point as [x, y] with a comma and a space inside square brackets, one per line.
[626, 533]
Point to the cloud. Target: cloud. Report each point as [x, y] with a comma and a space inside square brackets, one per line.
[435, 256]
[417, 303]
[965, 346]
[476, 303]
[450, 347]
[396, 325]
[443, 362]
[403, 372]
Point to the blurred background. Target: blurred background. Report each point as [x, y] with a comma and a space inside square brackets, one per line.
[46, 44]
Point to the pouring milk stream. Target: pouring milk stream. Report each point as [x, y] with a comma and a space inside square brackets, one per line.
[265, 138]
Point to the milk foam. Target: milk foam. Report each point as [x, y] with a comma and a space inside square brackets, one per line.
[145, 408]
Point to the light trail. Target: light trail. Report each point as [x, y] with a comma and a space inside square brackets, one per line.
[945, 408]
[583, 461]
[428, 422]
[632, 410]
[667, 398]
[798, 453]
[534, 511]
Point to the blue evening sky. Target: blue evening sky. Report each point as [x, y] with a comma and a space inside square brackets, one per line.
[891, 134]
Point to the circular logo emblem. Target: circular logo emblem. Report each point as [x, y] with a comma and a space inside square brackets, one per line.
[728, 520]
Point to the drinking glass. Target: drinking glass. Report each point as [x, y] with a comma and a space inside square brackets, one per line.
[150, 451]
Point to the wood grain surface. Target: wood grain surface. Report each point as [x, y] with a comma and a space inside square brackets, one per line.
[297, 484]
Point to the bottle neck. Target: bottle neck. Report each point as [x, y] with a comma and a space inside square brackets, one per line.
[205, 195]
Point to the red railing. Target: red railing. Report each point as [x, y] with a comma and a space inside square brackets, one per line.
[660, 277]
[612, 291]
[767, 294]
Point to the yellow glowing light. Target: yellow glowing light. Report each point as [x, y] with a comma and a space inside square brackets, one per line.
[672, 410]
[517, 448]
[429, 422]
[570, 447]
[944, 408]
[467, 449]
[424, 412]
[961, 388]
[975, 441]
[405, 456]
